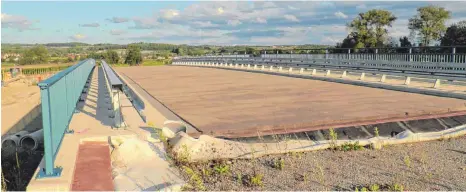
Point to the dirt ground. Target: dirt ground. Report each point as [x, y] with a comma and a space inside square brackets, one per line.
[428, 166]
[221, 102]
[18, 99]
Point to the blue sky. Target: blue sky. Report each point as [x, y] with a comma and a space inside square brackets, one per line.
[192, 22]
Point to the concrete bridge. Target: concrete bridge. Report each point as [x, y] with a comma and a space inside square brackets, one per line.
[236, 99]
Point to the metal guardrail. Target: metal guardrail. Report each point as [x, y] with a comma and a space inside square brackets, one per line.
[448, 71]
[59, 96]
[114, 86]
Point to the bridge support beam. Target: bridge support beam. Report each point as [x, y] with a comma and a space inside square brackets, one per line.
[328, 73]
[314, 72]
[382, 79]
[408, 80]
[362, 76]
[301, 71]
[343, 75]
[437, 84]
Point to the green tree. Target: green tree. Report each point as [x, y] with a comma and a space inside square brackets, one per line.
[455, 35]
[112, 57]
[133, 55]
[371, 27]
[35, 55]
[429, 23]
[404, 42]
[179, 51]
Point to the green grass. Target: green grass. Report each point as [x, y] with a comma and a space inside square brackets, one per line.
[154, 62]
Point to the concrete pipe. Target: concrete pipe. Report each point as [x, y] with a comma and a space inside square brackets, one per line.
[14, 140]
[33, 140]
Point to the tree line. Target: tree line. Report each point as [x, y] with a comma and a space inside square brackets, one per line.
[370, 30]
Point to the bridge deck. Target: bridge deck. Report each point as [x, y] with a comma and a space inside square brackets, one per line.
[231, 103]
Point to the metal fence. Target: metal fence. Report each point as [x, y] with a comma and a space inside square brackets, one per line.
[59, 96]
[114, 86]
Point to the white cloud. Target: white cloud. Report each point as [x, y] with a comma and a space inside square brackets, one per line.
[169, 13]
[291, 18]
[18, 22]
[78, 37]
[118, 19]
[260, 20]
[341, 15]
[204, 24]
[90, 25]
[234, 22]
[117, 32]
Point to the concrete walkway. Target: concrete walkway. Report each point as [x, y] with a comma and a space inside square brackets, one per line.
[92, 123]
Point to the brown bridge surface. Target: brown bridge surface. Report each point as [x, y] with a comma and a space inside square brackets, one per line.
[241, 104]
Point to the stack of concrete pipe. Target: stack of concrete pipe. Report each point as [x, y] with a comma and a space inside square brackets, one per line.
[25, 140]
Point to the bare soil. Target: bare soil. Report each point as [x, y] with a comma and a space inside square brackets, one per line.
[428, 166]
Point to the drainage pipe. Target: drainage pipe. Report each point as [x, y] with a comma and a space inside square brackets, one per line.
[14, 139]
[33, 140]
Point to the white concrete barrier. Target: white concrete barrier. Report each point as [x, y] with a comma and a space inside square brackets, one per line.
[408, 80]
[383, 78]
[328, 73]
[314, 72]
[343, 75]
[301, 71]
[362, 76]
[437, 84]
[290, 70]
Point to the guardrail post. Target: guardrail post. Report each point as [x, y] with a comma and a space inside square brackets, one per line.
[280, 69]
[290, 70]
[271, 68]
[349, 53]
[328, 72]
[301, 71]
[453, 54]
[382, 79]
[263, 67]
[326, 53]
[255, 66]
[376, 53]
[437, 84]
[116, 108]
[410, 54]
[362, 76]
[408, 80]
[343, 75]
[314, 72]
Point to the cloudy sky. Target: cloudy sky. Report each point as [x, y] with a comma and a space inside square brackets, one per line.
[193, 22]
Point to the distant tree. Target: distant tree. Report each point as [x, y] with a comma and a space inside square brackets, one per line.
[133, 55]
[429, 23]
[371, 27]
[455, 35]
[35, 55]
[179, 51]
[95, 56]
[112, 57]
[404, 42]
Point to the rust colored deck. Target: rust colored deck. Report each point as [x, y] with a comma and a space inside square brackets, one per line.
[233, 103]
[93, 170]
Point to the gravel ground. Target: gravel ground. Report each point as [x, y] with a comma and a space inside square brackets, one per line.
[427, 166]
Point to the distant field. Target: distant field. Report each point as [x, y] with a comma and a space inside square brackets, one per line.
[10, 65]
[148, 62]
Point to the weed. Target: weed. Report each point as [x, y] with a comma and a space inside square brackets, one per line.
[364, 189]
[239, 178]
[279, 164]
[397, 187]
[206, 172]
[162, 137]
[256, 180]
[407, 161]
[183, 157]
[376, 131]
[222, 169]
[305, 178]
[3, 182]
[374, 187]
[321, 176]
[348, 146]
[333, 138]
[195, 182]
[356, 189]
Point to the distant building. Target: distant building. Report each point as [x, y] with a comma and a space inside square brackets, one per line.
[14, 56]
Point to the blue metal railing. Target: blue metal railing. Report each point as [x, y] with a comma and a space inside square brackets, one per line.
[59, 96]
